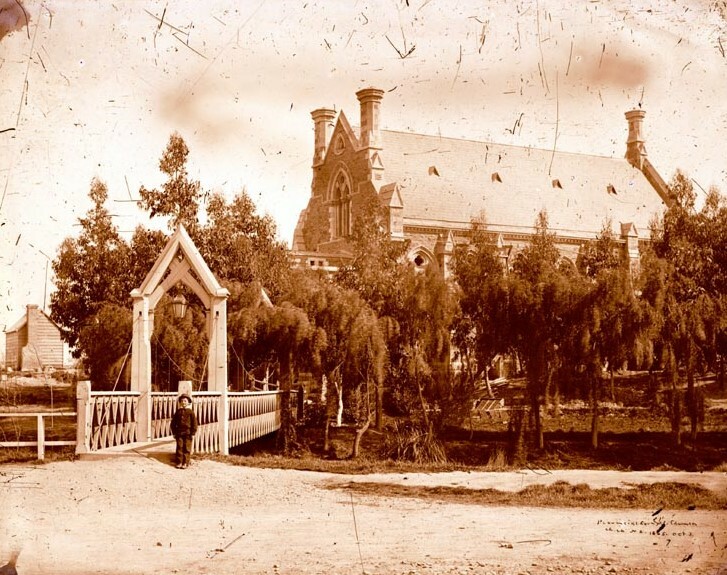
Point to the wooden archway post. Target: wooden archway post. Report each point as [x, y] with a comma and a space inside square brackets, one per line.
[141, 363]
[179, 262]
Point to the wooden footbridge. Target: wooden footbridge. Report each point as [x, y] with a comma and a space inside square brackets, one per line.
[109, 420]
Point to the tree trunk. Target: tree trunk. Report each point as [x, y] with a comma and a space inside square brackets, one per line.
[691, 394]
[357, 438]
[613, 384]
[595, 385]
[425, 414]
[676, 410]
[535, 414]
[326, 435]
[379, 406]
[339, 396]
[720, 374]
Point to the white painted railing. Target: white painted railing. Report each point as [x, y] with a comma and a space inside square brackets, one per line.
[163, 406]
[109, 419]
[40, 441]
[105, 418]
[252, 415]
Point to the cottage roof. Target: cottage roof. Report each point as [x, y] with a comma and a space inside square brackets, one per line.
[18, 325]
[450, 181]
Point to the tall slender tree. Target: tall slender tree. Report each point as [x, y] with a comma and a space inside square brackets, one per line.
[539, 301]
[609, 321]
[480, 276]
[90, 271]
[679, 286]
[179, 197]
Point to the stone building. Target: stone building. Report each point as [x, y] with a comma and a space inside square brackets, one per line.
[34, 342]
[432, 187]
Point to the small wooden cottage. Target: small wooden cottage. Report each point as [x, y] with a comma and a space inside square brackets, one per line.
[34, 343]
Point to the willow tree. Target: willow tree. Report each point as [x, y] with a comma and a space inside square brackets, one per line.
[539, 301]
[481, 326]
[610, 322]
[679, 284]
[347, 347]
[277, 335]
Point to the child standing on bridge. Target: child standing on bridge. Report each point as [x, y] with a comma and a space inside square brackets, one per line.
[184, 426]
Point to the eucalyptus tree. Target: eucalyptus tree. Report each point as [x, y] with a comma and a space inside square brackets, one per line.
[241, 246]
[98, 268]
[179, 197]
[90, 272]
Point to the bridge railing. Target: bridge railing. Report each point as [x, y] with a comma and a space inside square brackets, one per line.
[105, 418]
[252, 415]
[109, 419]
[163, 406]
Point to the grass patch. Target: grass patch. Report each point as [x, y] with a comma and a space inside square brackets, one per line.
[30, 454]
[359, 466]
[560, 494]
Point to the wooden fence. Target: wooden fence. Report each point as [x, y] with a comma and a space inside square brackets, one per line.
[40, 441]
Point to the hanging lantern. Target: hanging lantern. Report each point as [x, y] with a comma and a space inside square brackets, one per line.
[179, 305]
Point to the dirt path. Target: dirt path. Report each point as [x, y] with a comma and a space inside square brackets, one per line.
[133, 515]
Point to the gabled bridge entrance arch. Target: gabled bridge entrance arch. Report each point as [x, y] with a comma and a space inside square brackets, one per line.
[179, 262]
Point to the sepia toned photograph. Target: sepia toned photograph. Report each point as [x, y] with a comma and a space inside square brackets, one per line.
[377, 287]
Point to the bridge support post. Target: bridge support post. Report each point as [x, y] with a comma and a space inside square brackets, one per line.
[83, 417]
[184, 388]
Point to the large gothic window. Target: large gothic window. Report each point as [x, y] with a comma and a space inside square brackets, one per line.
[341, 202]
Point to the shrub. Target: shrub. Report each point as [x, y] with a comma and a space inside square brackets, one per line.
[410, 442]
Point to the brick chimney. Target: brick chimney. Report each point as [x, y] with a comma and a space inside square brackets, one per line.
[323, 123]
[31, 319]
[370, 100]
[635, 147]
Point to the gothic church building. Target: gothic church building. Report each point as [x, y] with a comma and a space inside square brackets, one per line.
[432, 187]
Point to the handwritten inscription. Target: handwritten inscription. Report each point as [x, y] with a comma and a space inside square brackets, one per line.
[657, 526]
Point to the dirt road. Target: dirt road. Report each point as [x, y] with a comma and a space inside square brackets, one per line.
[136, 515]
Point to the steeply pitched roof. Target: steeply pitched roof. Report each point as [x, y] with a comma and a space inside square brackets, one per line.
[18, 325]
[451, 181]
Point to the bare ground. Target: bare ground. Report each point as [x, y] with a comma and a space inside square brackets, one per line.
[137, 514]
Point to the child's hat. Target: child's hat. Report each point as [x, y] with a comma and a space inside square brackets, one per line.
[184, 396]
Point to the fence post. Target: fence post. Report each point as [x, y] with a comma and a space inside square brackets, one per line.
[223, 418]
[83, 417]
[300, 403]
[41, 437]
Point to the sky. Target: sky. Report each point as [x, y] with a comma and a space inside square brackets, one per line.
[93, 89]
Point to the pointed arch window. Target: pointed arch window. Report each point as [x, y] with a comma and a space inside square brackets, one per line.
[341, 203]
